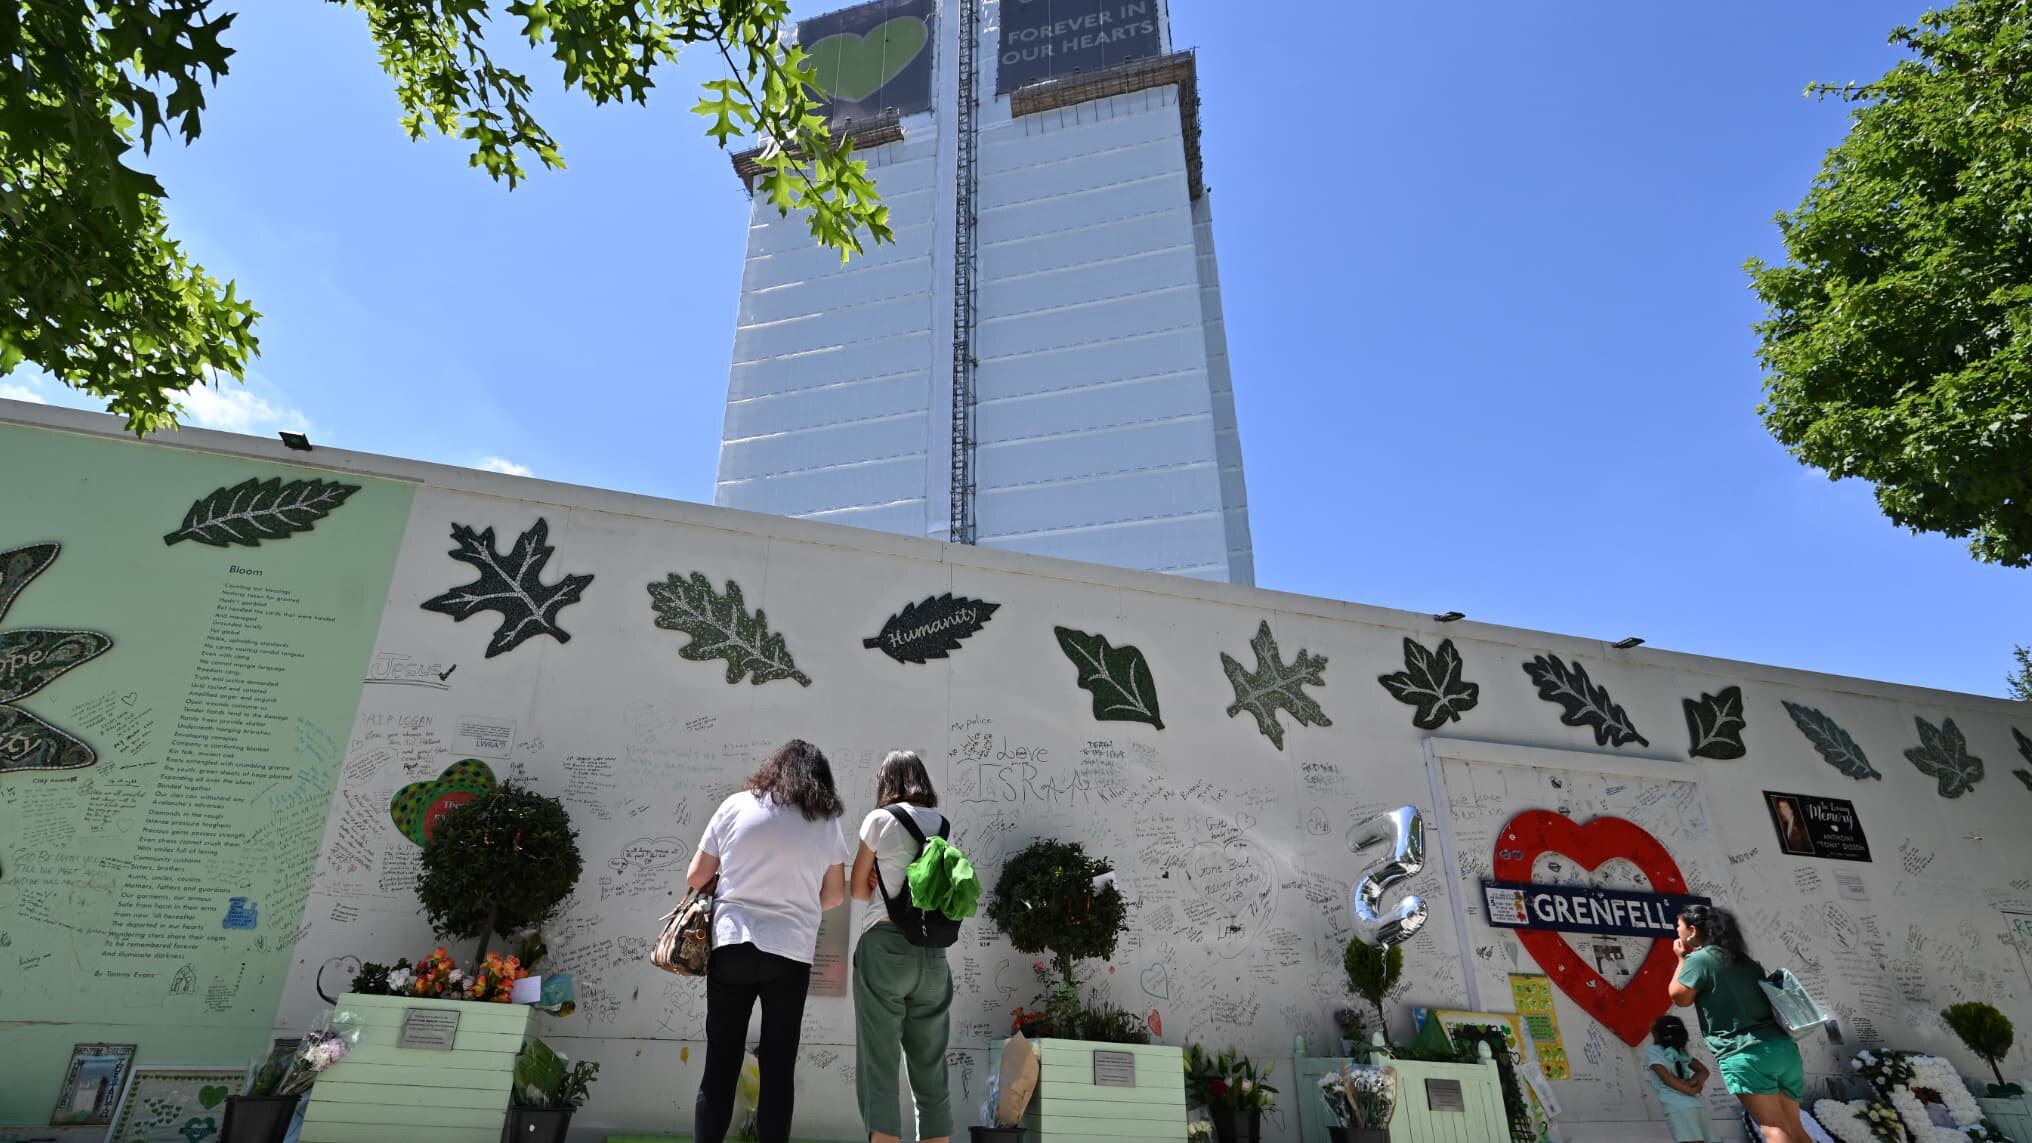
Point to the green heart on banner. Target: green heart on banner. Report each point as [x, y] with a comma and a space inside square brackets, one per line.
[852, 67]
[212, 1096]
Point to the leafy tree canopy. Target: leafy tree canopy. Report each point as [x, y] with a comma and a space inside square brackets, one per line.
[95, 291]
[1897, 342]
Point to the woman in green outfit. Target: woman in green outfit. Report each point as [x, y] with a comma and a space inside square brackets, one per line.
[1721, 981]
[902, 991]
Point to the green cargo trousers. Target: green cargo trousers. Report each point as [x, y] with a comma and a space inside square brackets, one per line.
[902, 994]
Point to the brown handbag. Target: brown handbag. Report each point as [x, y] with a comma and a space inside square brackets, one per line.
[685, 946]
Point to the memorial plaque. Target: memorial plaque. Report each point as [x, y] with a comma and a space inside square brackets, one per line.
[1444, 1095]
[431, 1029]
[1114, 1069]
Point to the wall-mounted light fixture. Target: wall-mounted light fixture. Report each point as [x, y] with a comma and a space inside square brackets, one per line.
[1626, 644]
[296, 441]
[1450, 616]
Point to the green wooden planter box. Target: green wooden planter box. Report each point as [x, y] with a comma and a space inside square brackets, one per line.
[381, 1092]
[2012, 1114]
[1481, 1119]
[1069, 1107]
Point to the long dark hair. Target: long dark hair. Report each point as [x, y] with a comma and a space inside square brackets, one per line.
[1717, 930]
[1669, 1032]
[799, 775]
[904, 779]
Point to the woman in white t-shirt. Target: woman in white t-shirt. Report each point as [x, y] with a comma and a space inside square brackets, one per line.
[902, 992]
[780, 855]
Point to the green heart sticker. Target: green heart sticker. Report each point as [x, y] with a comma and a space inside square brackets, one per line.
[212, 1095]
[852, 67]
[418, 807]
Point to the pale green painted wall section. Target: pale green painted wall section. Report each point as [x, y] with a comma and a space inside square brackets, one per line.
[252, 812]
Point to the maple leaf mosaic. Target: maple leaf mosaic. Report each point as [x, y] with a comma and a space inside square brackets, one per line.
[721, 627]
[511, 585]
[1275, 685]
[31, 658]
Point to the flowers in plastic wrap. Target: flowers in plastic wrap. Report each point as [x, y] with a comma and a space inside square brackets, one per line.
[322, 1047]
[1361, 1096]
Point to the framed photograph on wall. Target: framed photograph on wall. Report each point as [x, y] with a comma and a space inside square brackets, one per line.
[92, 1086]
[176, 1105]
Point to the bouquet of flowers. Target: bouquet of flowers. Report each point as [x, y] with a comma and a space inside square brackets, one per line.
[1884, 1070]
[1348, 1022]
[1360, 1096]
[1860, 1121]
[320, 1048]
[1227, 1080]
[439, 977]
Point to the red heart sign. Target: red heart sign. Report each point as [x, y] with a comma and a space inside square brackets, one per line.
[1627, 1012]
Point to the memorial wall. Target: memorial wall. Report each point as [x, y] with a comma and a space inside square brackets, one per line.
[235, 687]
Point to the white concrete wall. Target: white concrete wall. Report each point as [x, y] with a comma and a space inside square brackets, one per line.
[1234, 851]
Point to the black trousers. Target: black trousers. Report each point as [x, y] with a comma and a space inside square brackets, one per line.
[737, 977]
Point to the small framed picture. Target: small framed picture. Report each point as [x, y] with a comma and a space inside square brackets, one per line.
[92, 1087]
[176, 1105]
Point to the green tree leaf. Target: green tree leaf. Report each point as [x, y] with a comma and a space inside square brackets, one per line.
[1119, 677]
[512, 585]
[721, 627]
[1834, 744]
[30, 659]
[256, 510]
[96, 292]
[2024, 751]
[1897, 340]
[1275, 686]
[1943, 754]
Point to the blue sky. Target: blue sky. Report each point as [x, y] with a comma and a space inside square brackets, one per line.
[1482, 272]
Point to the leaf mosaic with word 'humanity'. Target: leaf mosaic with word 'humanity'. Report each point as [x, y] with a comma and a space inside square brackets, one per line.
[2024, 751]
[1431, 681]
[510, 585]
[31, 658]
[1275, 685]
[1943, 754]
[1715, 724]
[1834, 744]
[1118, 677]
[931, 629]
[1582, 701]
[255, 510]
[721, 628]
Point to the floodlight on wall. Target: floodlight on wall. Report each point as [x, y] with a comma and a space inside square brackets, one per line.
[1450, 616]
[296, 441]
[1626, 644]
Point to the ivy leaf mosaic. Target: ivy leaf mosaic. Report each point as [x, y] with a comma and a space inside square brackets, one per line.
[1943, 754]
[31, 658]
[1431, 681]
[1118, 677]
[1715, 724]
[511, 585]
[1275, 686]
[721, 628]
[2025, 752]
[1582, 701]
[255, 510]
[1834, 744]
[931, 629]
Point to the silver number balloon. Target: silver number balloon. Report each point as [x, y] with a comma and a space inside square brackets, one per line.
[1403, 831]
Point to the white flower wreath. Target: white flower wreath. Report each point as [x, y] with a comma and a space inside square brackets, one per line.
[1844, 1121]
[1938, 1074]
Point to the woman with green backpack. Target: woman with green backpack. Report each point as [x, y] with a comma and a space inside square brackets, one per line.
[902, 985]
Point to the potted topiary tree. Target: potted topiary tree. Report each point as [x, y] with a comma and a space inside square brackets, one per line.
[1988, 1033]
[1372, 973]
[499, 863]
[502, 862]
[1055, 901]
